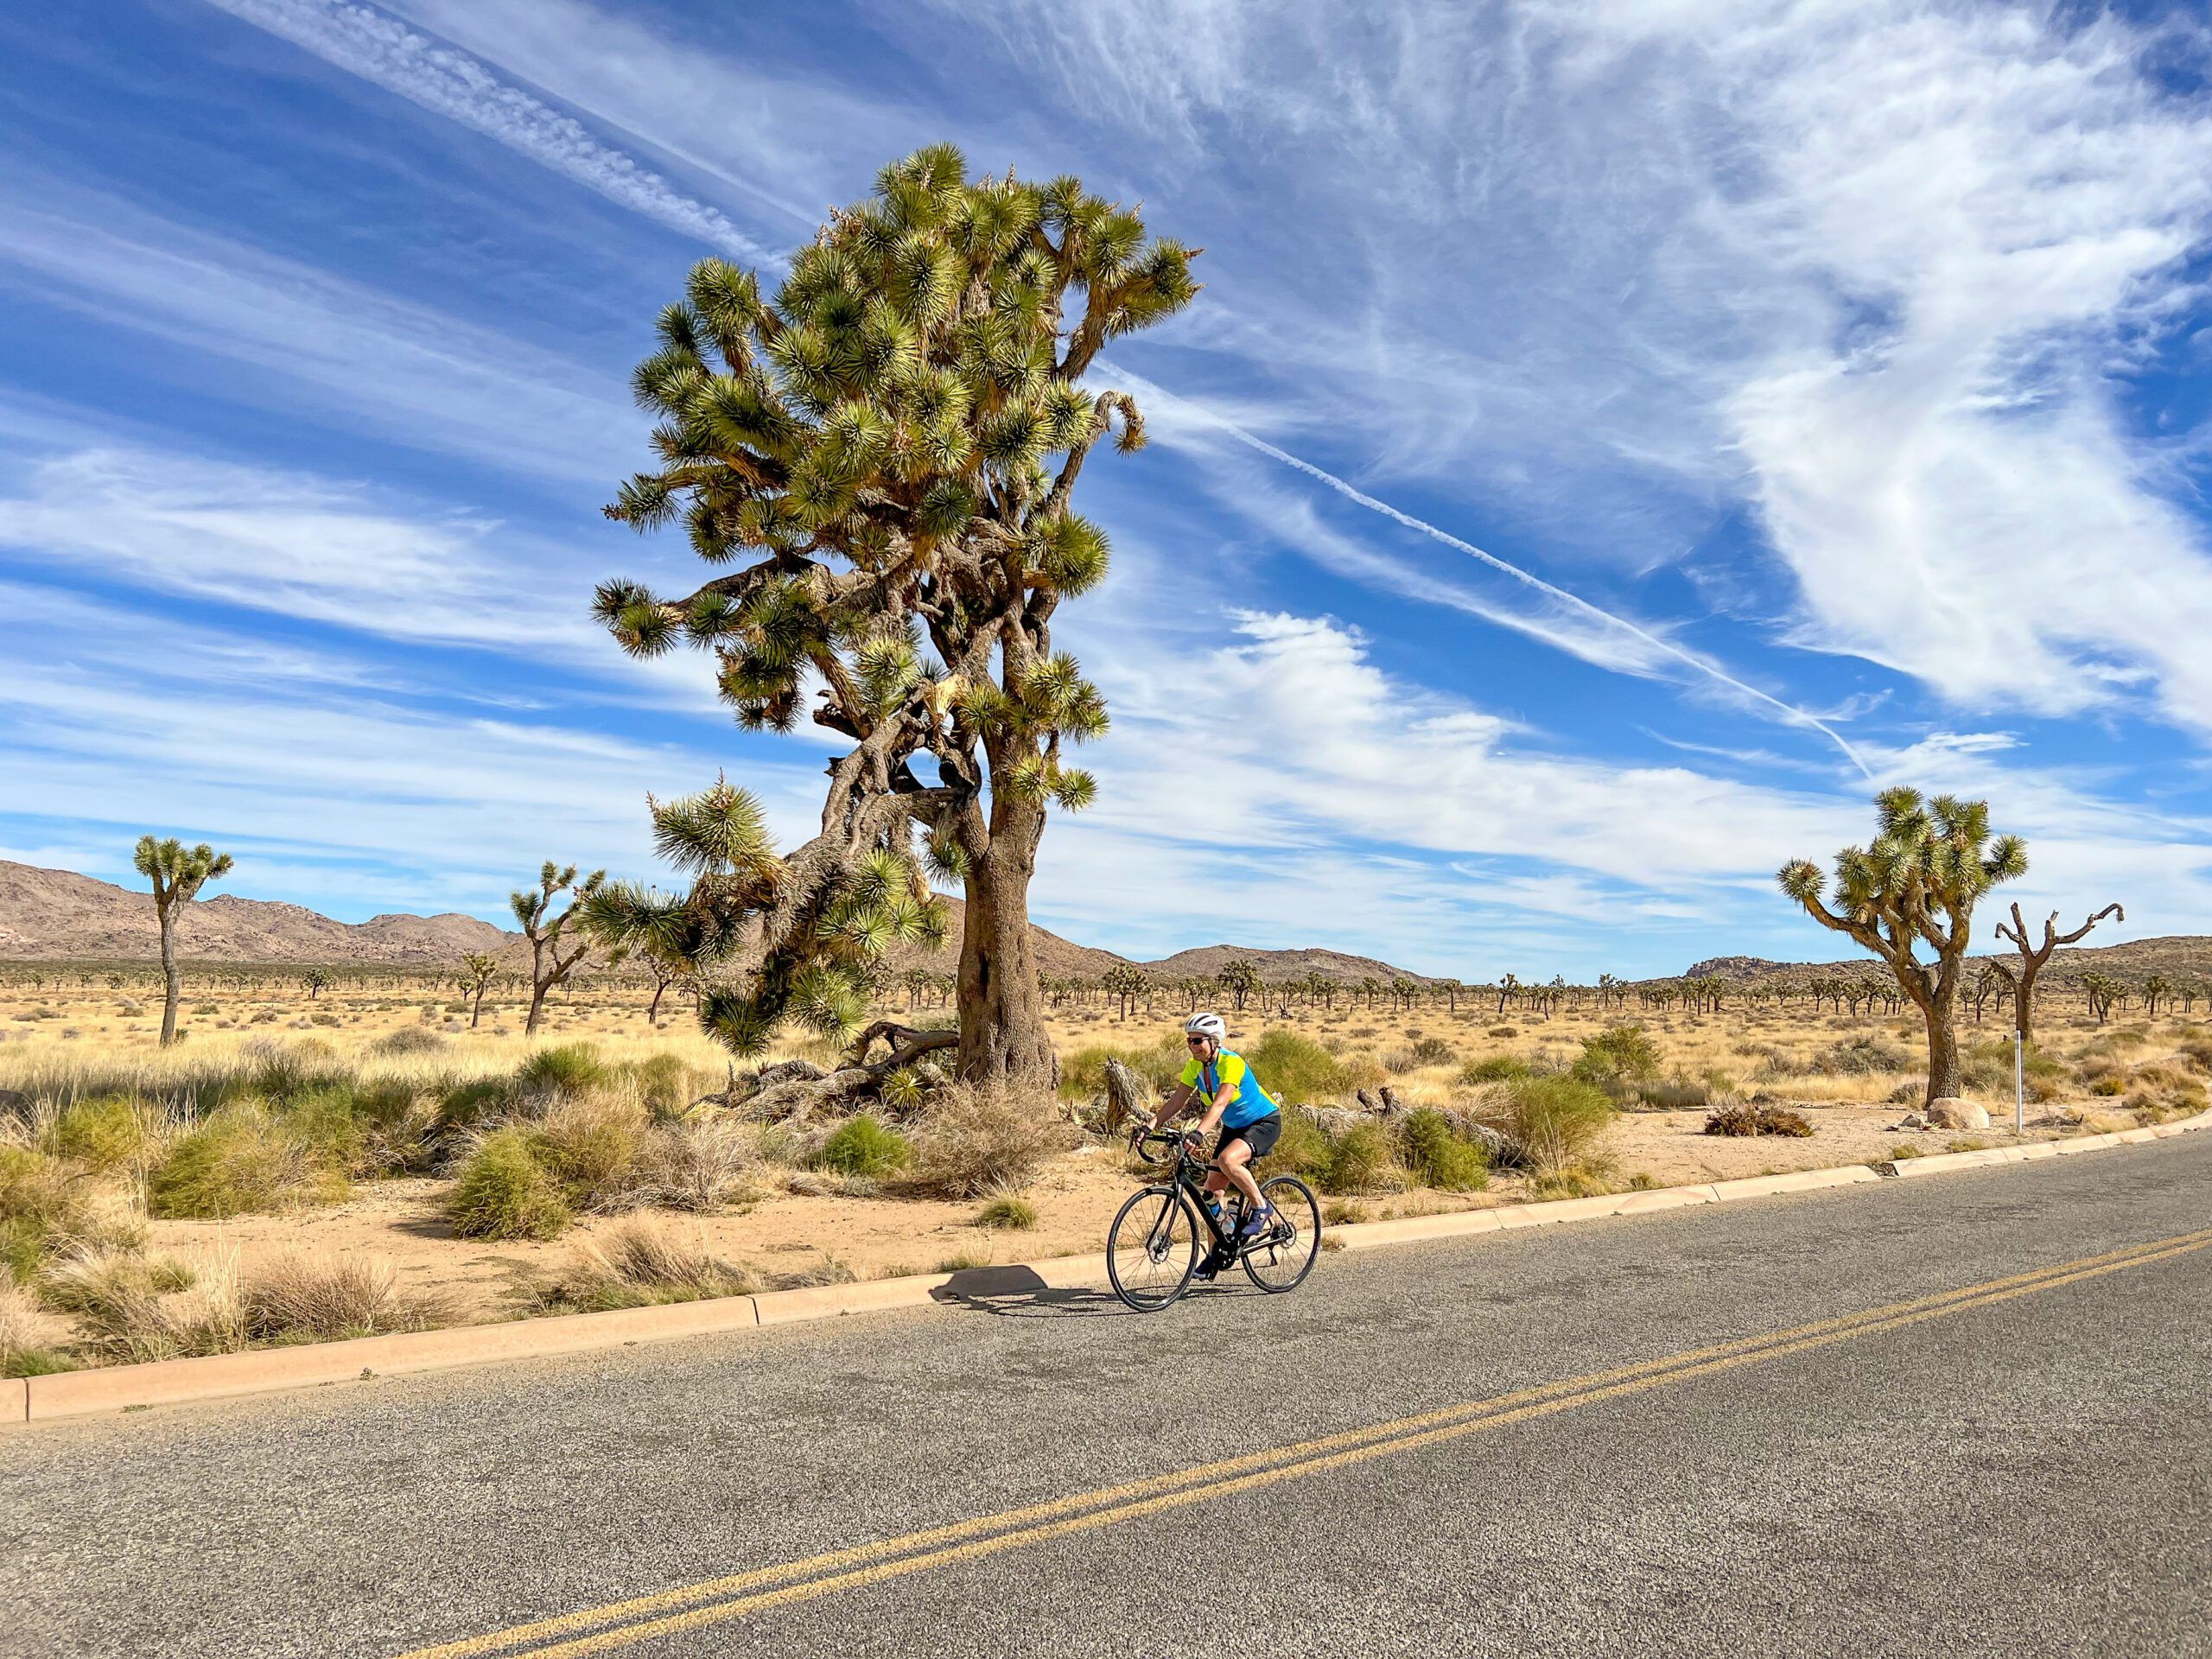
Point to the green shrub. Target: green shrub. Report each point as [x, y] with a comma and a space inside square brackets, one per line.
[563, 1069]
[865, 1146]
[2109, 1086]
[1859, 1056]
[1294, 1068]
[1504, 1030]
[663, 1082]
[102, 1132]
[1617, 1055]
[1550, 1123]
[1676, 1094]
[1440, 1158]
[505, 1191]
[1494, 1068]
[1590, 1178]
[592, 1143]
[241, 1160]
[463, 1104]
[1302, 1150]
[1359, 1161]
[1082, 1074]
[323, 1117]
[1007, 1211]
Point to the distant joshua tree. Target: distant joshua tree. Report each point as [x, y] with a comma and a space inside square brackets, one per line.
[317, 980]
[1240, 977]
[2032, 957]
[1918, 883]
[550, 962]
[177, 876]
[477, 971]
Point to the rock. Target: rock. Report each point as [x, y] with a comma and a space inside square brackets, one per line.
[1913, 1120]
[1949, 1112]
[14, 1105]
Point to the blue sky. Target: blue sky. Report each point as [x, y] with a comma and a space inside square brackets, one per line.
[1611, 435]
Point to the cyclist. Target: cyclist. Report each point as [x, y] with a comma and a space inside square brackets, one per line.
[1250, 1123]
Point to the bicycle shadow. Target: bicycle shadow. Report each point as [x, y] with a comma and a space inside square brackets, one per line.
[1018, 1291]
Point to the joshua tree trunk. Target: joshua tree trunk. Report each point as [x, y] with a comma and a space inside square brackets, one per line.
[172, 983]
[1941, 1013]
[1001, 1011]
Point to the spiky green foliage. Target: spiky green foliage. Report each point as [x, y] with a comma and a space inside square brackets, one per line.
[1916, 883]
[555, 952]
[881, 456]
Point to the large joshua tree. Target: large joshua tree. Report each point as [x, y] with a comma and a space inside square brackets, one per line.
[2033, 956]
[1917, 884]
[178, 873]
[880, 460]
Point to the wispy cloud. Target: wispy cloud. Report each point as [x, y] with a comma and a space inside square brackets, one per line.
[365, 42]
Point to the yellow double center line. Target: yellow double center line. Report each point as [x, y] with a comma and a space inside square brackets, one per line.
[716, 1600]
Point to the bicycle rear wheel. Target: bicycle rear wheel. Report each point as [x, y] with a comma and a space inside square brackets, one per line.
[1281, 1261]
[1153, 1249]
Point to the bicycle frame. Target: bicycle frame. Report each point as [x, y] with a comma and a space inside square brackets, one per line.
[1188, 1176]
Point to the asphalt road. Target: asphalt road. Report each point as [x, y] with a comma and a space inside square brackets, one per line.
[2023, 1469]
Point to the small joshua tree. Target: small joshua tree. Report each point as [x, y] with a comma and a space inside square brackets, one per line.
[552, 961]
[1240, 977]
[2032, 957]
[177, 875]
[478, 969]
[317, 980]
[1917, 884]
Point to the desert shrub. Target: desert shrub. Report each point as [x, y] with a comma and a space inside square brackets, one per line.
[102, 1132]
[865, 1146]
[1582, 1178]
[639, 1265]
[703, 1166]
[42, 1206]
[1859, 1056]
[1343, 1212]
[462, 1105]
[1302, 1150]
[30, 1339]
[1082, 1074]
[322, 1116]
[1616, 1055]
[1360, 1161]
[407, 1039]
[240, 1160]
[1292, 1067]
[2109, 1086]
[2157, 1092]
[1494, 1068]
[1439, 1157]
[505, 1191]
[978, 1137]
[563, 1069]
[1504, 1031]
[1008, 1211]
[296, 1299]
[1737, 1117]
[1906, 1150]
[133, 1308]
[592, 1143]
[1968, 1143]
[1550, 1123]
[663, 1082]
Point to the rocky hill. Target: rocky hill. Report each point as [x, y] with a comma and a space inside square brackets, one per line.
[51, 915]
[2176, 957]
[56, 915]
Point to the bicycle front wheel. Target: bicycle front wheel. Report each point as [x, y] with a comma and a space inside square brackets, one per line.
[1153, 1249]
[1281, 1260]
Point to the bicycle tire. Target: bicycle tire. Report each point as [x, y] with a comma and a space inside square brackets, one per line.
[1280, 1262]
[1148, 1212]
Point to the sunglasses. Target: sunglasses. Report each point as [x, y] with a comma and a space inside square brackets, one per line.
[1197, 1042]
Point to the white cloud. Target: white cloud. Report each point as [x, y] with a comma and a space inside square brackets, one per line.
[404, 372]
[365, 41]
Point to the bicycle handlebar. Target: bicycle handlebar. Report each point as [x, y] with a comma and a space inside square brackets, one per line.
[1160, 1137]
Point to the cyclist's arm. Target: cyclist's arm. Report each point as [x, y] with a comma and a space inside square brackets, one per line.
[1175, 1105]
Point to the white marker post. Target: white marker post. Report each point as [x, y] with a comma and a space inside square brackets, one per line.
[2019, 1084]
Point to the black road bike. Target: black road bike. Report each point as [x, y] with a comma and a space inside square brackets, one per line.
[1152, 1249]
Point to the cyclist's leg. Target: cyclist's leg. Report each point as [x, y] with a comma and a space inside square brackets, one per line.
[1235, 1161]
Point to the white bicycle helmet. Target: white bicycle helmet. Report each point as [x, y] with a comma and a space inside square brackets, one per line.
[1207, 1025]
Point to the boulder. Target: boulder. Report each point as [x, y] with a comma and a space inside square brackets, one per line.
[1949, 1112]
[1913, 1120]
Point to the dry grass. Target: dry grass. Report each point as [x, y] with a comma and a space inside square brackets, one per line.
[979, 1137]
[300, 1299]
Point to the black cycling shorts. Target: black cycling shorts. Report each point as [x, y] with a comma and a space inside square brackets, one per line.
[1260, 1136]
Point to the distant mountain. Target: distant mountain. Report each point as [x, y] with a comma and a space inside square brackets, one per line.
[1735, 968]
[56, 915]
[48, 915]
[2178, 956]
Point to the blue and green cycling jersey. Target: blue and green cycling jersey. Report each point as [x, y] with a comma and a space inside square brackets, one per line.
[1248, 1102]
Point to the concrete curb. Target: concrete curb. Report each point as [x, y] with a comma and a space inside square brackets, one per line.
[175, 1381]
